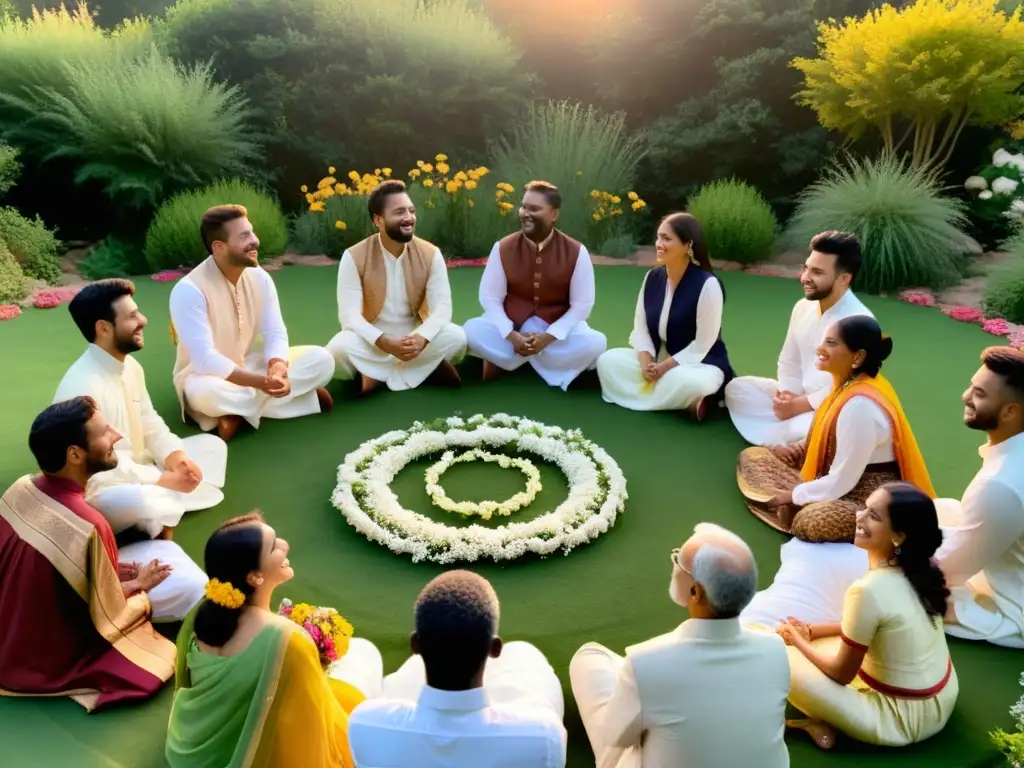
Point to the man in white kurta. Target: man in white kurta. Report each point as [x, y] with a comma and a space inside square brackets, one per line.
[395, 303]
[537, 292]
[982, 552]
[779, 411]
[710, 693]
[159, 476]
[234, 362]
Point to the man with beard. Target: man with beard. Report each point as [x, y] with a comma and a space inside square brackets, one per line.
[982, 552]
[159, 477]
[218, 312]
[76, 610]
[395, 303]
[777, 412]
[537, 292]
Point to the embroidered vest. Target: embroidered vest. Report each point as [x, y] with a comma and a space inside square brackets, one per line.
[417, 260]
[538, 280]
[682, 315]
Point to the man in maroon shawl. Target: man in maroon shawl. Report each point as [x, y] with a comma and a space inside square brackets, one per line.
[75, 620]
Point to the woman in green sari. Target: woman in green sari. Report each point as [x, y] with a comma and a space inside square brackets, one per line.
[250, 691]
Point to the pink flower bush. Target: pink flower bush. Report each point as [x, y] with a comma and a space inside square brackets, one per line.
[168, 275]
[52, 297]
[1017, 339]
[965, 314]
[9, 311]
[919, 297]
[996, 326]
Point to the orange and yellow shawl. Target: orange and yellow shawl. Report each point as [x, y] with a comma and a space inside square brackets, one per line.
[904, 445]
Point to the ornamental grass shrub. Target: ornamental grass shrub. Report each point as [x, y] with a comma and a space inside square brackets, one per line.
[173, 238]
[12, 279]
[1004, 287]
[910, 234]
[591, 157]
[737, 222]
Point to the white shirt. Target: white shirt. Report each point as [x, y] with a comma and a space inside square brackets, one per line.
[396, 316]
[707, 695]
[807, 326]
[990, 538]
[116, 387]
[709, 323]
[192, 325]
[863, 436]
[494, 288]
[449, 729]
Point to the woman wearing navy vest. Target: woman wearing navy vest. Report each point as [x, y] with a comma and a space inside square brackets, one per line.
[677, 359]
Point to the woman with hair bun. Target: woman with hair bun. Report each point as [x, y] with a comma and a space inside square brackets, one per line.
[884, 675]
[249, 686]
[860, 438]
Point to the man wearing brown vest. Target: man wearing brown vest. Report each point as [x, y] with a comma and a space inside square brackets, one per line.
[395, 303]
[537, 291]
[234, 362]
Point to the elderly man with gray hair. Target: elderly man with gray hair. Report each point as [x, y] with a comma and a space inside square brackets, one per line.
[709, 693]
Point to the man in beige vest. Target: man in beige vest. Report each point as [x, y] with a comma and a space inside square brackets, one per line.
[234, 363]
[395, 303]
[537, 291]
[709, 693]
[159, 476]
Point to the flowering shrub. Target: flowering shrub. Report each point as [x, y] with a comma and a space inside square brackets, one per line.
[965, 314]
[1017, 338]
[996, 194]
[9, 311]
[918, 297]
[996, 326]
[457, 210]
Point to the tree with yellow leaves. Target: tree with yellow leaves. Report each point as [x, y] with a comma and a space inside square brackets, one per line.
[920, 73]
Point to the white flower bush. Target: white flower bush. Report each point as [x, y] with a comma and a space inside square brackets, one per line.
[597, 490]
[997, 188]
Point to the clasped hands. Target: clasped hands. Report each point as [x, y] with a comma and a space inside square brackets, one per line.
[792, 631]
[527, 344]
[180, 473]
[136, 578]
[786, 405]
[405, 348]
[653, 371]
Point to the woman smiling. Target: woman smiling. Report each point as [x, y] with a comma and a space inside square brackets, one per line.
[859, 439]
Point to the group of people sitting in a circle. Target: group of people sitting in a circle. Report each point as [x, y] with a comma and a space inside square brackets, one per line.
[852, 631]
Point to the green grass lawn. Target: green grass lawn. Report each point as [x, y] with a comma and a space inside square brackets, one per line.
[614, 590]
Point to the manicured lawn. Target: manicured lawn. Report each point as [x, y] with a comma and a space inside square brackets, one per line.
[614, 591]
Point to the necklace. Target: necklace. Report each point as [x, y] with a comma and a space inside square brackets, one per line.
[892, 563]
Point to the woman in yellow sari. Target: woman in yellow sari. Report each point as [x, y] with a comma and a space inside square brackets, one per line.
[859, 439]
[250, 691]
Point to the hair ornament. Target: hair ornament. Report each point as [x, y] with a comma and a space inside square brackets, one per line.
[223, 594]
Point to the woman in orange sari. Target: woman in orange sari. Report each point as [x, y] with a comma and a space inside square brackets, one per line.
[860, 439]
[250, 691]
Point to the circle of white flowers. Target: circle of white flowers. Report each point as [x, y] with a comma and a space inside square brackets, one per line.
[484, 509]
[597, 490]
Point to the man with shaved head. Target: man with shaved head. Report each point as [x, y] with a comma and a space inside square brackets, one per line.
[464, 698]
[709, 693]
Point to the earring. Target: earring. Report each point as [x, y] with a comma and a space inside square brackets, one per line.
[689, 252]
[897, 546]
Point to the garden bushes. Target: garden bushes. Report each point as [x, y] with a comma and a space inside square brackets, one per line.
[1004, 289]
[737, 222]
[173, 239]
[33, 246]
[909, 233]
[12, 279]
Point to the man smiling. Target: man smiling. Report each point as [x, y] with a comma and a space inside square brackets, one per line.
[776, 412]
[537, 292]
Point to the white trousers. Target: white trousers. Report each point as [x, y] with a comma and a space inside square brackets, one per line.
[749, 400]
[309, 368]
[521, 674]
[353, 354]
[558, 364]
[593, 673]
[623, 383]
[150, 507]
[362, 667]
[176, 595]
[810, 584]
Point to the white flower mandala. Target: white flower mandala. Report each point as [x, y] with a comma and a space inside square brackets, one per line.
[597, 490]
[484, 509]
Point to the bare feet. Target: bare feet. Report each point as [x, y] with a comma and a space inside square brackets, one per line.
[823, 734]
[445, 375]
[490, 370]
[166, 534]
[227, 426]
[369, 385]
[325, 399]
[699, 410]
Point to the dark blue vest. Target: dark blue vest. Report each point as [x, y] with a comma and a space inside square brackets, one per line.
[682, 315]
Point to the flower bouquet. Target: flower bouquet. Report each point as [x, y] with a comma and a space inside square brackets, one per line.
[329, 630]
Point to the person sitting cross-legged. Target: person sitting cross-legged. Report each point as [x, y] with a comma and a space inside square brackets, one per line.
[710, 693]
[464, 699]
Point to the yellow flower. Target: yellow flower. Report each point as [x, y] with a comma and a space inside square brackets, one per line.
[442, 167]
[326, 193]
[317, 206]
[483, 171]
[470, 184]
[309, 197]
[452, 187]
[616, 211]
[328, 181]
[505, 186]
[354, 175]
[340, 225]
[463, 176]
[376, 171]
[638, 205]
[301, 612]
[222, 593]
[386, 172]
[427, 167]
[579, 173]
[596, 216]
[596, 194]
[441, 158]
[414, 173]
[428, 182]
[340, 188]
[304, 189]
[469, 202]
[633, 196]
[331, 170]
[616, 199]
